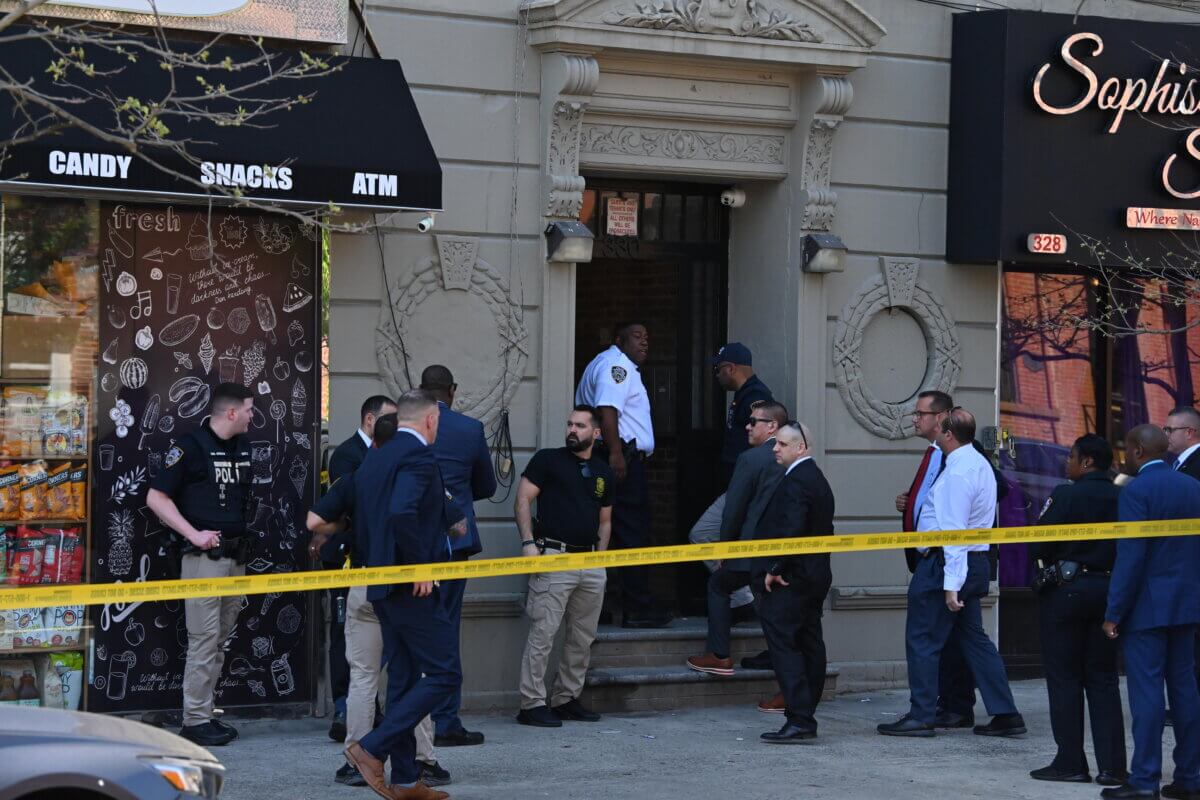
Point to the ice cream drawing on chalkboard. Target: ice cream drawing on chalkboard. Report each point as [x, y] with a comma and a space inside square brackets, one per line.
[299, 402]
[264, 309]
[207, 352]
[199, 245]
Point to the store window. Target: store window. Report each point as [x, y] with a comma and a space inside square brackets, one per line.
[48, 335]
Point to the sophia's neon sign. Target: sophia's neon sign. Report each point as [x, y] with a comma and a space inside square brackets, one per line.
[1170, 92]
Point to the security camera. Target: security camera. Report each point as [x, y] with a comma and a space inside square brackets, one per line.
[734, 198]
[425, 224]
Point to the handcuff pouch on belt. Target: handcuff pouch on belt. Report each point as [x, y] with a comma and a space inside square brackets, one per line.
[1055, 574]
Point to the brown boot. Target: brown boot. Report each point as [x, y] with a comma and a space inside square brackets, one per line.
[773, 705]
[418, 792]
[711, 664]
[371, 768]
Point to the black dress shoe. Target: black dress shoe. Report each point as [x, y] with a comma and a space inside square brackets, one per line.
[1053, 773]
[337, 729]
[1105, 778]
[224, 726]
[347, 775]
[459, 738]
[433, 774]
[575, 710]
[906, 726]
[206, 735]
[790, 733]
[760, 661]
[539, 717]
[1002, 725]
[948, 719]
[1127, 792]
[647, 620]
[1177, 792]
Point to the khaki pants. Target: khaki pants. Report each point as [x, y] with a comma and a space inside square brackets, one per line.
[368, 679]
[576, 595]
[209, 620]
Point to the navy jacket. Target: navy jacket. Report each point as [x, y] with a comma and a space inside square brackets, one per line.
[462, 453]
[399, 504]
[1191, 467]
[1156, 581]
[345, 459]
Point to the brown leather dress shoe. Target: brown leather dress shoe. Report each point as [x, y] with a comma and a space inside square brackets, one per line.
[774, 705]
[711, 664]
[371, 769]
[417, 792]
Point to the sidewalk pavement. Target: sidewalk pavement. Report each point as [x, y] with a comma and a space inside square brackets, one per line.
[694, 754]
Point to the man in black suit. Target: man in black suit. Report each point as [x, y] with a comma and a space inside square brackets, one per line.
[345, 460]
[790, 591]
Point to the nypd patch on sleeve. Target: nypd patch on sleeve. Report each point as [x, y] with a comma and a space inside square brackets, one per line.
[1046, 507]
[619, 374]
[173, 456]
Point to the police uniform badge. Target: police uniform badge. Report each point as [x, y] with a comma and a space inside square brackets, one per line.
[173, 456]
[619, 374]
[1046, 507]
[599, 487]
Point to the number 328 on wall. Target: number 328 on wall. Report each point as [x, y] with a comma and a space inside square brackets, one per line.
[1046, 243]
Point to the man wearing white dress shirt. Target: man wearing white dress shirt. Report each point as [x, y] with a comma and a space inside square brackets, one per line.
[946, 589]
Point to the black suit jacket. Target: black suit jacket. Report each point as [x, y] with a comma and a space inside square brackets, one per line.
[346, 458]
[802, 505]
[1191, 467]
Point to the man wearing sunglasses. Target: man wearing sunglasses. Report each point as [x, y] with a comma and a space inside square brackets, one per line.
[754, 481]
[574, 489]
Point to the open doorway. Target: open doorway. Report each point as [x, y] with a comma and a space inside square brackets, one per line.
[664, 262]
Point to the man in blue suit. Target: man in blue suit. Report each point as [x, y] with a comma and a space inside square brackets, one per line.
[1154, 606]
[462, 453]
[400, 502]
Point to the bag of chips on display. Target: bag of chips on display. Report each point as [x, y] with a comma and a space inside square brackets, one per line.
[59, 502]
[33, 490]
[79, 490]
[10, 492]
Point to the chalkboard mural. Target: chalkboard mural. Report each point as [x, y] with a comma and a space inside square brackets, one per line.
[190, 299]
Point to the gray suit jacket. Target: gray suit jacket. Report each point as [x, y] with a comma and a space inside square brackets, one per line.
[755, 477]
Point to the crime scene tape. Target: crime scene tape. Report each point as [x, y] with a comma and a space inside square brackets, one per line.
[147, 591]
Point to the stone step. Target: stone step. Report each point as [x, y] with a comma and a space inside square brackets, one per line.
[672, 687]
[618, 648]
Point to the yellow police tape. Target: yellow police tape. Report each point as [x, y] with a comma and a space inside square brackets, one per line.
[146, 591]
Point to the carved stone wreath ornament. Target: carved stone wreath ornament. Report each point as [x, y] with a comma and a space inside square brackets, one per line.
[493, 368]
[748, 18]
[896, 288]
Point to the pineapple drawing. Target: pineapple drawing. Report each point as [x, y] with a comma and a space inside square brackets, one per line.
[120, 534]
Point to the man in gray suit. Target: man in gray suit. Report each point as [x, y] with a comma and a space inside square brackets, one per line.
[755, 477]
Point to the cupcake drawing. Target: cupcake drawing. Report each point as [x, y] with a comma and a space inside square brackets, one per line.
[199, 245]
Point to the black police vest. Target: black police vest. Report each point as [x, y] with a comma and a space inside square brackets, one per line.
[220, 502]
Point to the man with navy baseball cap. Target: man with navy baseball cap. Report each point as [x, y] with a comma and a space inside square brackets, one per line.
[733, 366]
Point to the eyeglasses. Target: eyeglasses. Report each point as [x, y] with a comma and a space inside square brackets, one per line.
[717, 369]
[756, 420]
[919, 413]
[1168, 430]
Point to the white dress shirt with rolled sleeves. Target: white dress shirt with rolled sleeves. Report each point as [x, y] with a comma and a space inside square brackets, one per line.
[962, 498]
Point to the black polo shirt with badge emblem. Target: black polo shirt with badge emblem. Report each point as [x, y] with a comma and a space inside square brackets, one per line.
[571, 493]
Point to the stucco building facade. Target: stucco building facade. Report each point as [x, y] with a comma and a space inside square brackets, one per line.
[830, 115]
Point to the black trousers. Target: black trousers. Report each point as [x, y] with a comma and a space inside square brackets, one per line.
[1080, 660]
[339, 668]
[791, 623]
[631, 528]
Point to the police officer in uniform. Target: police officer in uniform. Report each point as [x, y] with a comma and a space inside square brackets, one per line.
[573, 491]
[612, 384]
[203, 495]
[1073, 584]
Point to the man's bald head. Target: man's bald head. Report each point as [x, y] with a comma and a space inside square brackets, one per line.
[1144, 444]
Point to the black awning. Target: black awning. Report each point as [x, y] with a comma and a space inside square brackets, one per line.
[359, 142]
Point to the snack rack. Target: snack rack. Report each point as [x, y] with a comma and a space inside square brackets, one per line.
[58, 648]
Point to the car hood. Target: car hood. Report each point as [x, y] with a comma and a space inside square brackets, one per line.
[27, 721]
